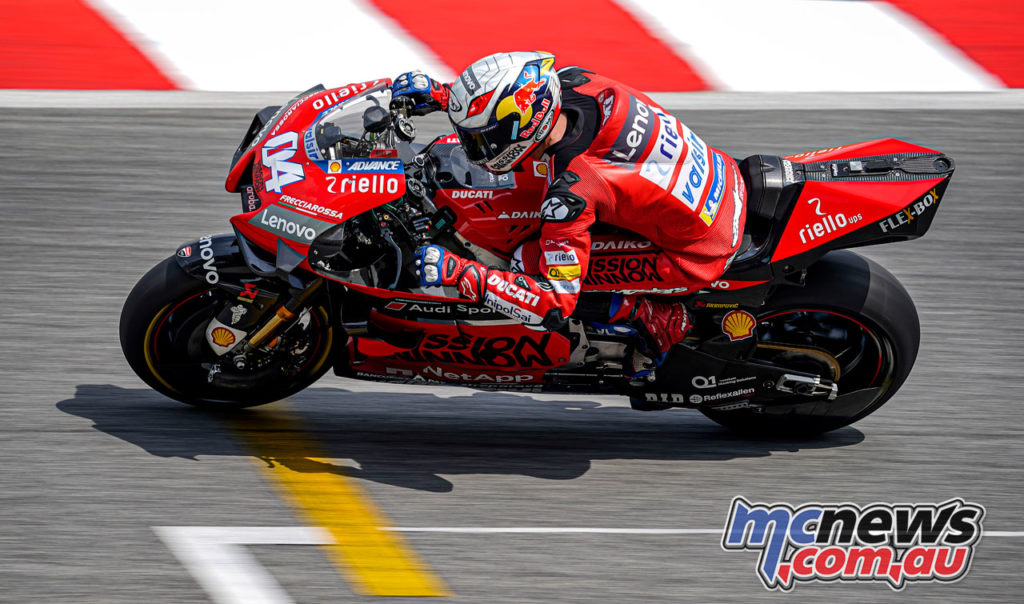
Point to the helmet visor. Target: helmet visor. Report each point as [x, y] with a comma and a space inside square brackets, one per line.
[484, 144]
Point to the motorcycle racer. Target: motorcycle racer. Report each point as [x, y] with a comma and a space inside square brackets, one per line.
[614, 157]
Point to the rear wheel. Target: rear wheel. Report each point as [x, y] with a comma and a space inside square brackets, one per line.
[163, 326]
[853, 324]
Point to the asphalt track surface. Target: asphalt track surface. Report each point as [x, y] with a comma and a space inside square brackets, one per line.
[93, 459]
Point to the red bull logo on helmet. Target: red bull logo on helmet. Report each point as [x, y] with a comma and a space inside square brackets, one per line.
[520, 102]
[525, 96]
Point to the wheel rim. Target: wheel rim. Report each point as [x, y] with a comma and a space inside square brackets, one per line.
[829, 343]
[180, 359]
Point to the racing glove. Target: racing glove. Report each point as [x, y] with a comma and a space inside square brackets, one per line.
[437, 266]
[663, 324]
[422, 93]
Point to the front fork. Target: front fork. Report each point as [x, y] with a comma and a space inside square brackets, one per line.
[261, 334]
[254, 316]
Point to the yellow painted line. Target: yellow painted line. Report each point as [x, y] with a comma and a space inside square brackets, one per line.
[376, 562]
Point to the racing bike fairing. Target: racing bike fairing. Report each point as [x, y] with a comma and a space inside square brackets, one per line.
[497, 212]
[862, 193]
[796, 335]
[239, 172]
[802, 206]
[313, 167]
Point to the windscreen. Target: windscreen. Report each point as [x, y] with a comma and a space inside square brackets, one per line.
[339, 131]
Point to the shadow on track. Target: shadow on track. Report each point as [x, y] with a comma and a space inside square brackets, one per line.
[412, 439]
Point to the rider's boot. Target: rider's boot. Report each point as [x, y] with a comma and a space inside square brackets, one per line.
[662, 325]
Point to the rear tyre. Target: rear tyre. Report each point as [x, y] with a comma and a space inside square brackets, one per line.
[163, 326]
[852, 322]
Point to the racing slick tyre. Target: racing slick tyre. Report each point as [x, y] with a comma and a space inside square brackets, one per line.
[163, 327]
[853, 323]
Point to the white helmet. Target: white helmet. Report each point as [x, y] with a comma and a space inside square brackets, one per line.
[504, 105]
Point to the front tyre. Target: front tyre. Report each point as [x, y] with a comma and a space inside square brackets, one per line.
[852, 323]
[162, 330]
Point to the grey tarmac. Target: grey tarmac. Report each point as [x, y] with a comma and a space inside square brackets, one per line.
[93, 195]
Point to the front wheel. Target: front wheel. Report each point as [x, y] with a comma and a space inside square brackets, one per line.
[854, 324]
[163, 326]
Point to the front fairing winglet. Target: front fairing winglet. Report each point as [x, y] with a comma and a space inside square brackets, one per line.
[286, 261]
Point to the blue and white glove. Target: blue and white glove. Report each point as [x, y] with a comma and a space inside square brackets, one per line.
[438, 266]
[425, 95]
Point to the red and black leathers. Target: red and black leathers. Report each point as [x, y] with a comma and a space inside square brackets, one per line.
[624, 162]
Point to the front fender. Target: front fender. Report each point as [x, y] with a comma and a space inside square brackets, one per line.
[218, 261]
[215, 259]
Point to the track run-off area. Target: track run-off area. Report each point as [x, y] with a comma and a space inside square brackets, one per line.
[351, 491]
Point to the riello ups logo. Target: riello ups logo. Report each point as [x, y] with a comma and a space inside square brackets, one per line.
[894, 543]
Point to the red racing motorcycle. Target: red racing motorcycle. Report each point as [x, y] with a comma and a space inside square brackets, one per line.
[798, 336]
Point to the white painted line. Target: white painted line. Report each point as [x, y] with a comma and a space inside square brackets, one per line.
[551, 530]
[809, 45]
[1012, 99]
[272, 45]
[711, 101]
[231, 575]
[142, 99]
[595, 530]
[227, 571]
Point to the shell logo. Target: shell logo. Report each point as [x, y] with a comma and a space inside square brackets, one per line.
[738, 325]
[334, 167]
[222, 337]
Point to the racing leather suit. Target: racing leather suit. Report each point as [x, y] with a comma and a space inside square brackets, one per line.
[625, 162]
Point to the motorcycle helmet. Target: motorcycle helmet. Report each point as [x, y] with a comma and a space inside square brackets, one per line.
[503, 106]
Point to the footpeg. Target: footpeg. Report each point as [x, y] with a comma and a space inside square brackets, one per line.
[807, 386]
